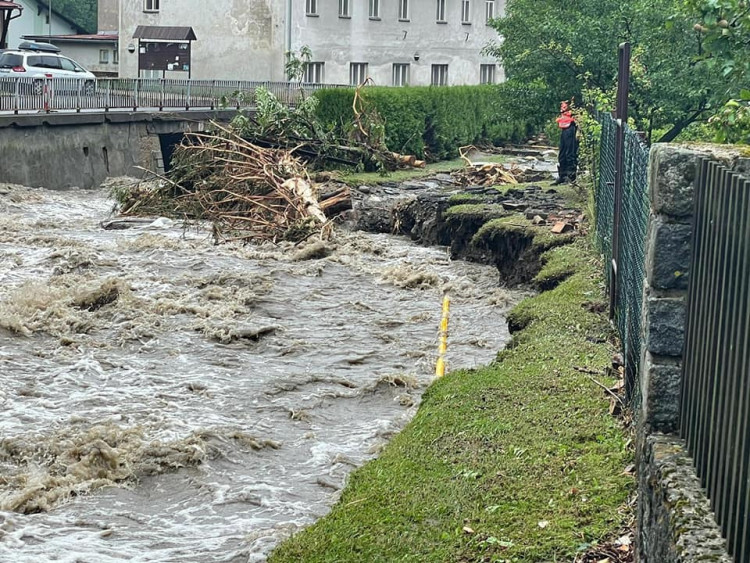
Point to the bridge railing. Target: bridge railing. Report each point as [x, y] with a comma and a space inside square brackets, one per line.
[23, 94]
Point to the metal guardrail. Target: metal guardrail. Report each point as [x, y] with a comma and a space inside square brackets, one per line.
[22, 94]
[715, 400]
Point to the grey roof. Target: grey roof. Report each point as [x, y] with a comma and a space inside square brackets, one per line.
[164, 33]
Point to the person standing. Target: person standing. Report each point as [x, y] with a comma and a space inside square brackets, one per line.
[567, 158]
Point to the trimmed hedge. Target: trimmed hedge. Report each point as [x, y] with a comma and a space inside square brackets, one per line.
[434, 122]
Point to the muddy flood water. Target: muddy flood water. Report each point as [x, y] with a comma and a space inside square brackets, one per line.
[165, 400]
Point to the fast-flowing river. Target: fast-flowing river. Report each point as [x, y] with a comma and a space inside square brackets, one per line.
[165, 399]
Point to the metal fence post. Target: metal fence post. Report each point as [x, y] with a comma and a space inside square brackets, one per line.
[621, 117]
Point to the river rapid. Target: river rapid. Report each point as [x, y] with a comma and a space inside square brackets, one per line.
[165, 399]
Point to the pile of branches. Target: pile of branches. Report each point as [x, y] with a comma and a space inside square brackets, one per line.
[248, 192]
[492, 173]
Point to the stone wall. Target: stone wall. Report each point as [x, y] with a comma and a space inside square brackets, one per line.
[665, 474]
[676, 513]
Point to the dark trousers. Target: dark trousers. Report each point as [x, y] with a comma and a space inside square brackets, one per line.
[568, 156]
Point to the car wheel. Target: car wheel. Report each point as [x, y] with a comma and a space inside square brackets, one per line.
[89, 88]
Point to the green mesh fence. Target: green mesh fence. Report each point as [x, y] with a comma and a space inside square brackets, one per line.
[632, 239]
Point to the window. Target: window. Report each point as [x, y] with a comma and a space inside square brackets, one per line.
[314, 73]
[9, 60]
[151, 5]
[357, 73]
[311, 7]
[489, 10]
[401, 74]
[344, 9]
[103, 56]
[440, 16]
[44, 62]
[403, 10]
[439, 75]
[465, 12]
[115, 56]
[487, 74]
[374, 9]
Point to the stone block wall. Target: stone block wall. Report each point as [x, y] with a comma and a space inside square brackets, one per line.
[676, 513]
[664, 469]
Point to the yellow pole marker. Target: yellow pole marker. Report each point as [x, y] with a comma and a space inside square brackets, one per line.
[443, 341]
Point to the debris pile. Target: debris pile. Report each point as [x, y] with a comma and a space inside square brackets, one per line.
[247, 191]
[250, 178]
[493, 173]
[487, 174]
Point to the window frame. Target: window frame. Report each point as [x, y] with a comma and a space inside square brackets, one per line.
[465, 12]
[401, 74]
[374, 9]
[358, 73]
[440, 11]
[345, 9]
[103, 56]
[152, 6]
[441, 70]
[311, 8]
[315, 70]
[403, 11]
[489, 11]
[115, 56]
[488, 73]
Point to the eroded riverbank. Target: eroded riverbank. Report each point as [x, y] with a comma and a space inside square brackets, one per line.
[227, 391]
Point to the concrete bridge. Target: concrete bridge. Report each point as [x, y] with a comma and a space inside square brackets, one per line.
[63, 150]
[65, 132]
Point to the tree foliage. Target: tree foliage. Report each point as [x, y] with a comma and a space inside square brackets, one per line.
[725, 28]
[571, 46]
[82, 12]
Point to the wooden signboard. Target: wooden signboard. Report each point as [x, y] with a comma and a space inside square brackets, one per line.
[164, 56]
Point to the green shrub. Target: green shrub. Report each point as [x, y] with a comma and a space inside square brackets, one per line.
[433, 122]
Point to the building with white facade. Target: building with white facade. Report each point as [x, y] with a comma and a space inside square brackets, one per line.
[35, 20]
[395, 42]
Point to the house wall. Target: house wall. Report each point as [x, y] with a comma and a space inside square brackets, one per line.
[237, 39]
[87, 54]
[108, 14]
[32, 22]
[247, 39]
[381, 43]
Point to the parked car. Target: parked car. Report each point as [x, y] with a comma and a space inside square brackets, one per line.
[38, 61]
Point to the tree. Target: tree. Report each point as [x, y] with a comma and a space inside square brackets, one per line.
[82, 12]
[725, 28]
[571, 45]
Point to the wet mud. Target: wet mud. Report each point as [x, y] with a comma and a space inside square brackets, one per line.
[165, 399]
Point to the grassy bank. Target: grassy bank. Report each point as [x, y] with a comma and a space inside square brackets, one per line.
[516, 461]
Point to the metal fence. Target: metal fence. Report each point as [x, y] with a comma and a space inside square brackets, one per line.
[715, 401]
[22, 94]
[621, 221]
